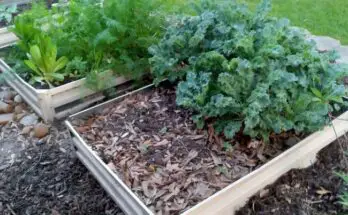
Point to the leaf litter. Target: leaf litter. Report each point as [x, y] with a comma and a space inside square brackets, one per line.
[155, 148]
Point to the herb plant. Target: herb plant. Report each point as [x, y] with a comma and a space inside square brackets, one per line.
[98, 36]
[6, 12]
[246, 72]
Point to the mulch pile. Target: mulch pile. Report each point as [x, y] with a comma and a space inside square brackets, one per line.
[156, 149]
[47, 178]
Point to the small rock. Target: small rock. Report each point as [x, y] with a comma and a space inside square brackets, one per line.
[5, 108]
[18, 99]
[26, 130]
[31, 119]
[264, 193]
[40, 130]
[40, 142]
[19, 109]
[292, 141]
[7, 95]
[18, 117]
[5, 118]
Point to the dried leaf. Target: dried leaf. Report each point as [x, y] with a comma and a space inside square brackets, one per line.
[161, 143]
[192, 154]
[217, 161]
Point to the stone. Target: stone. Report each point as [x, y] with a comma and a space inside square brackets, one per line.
[28, 120]
[325, 43]
[40, 130]
[343, 52]
[19, 116]
[5, 118]
[18, 109]
[5, 108]
[26, 130]
[7, 95]
[18, 99]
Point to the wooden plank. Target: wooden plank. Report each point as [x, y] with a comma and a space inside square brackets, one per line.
[79, 107]
[12, 76]
[76, 91]
[302, 155]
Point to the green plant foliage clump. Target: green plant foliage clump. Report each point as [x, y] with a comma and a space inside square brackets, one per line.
[247, 72]
[98, 36]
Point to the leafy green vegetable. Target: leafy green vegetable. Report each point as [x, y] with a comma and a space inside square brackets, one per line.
[99, 35]
[43, 61]
[247, 71]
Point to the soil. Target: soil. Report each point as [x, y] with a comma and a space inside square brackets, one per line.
[311, 191]
[156, 149]
[45, 177]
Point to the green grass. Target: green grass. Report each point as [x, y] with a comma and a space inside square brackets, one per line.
[320, 17]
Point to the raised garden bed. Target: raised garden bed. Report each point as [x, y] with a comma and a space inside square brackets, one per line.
[57, 102]
[7, 38]
[149, 156]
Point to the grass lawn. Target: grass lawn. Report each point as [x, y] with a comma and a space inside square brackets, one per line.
[320, 17]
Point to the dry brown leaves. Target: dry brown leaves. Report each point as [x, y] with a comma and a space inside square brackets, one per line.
[154, 147]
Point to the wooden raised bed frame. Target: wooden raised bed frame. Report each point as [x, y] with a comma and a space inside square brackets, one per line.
[58, 102]
[48, 103]
[227, 200]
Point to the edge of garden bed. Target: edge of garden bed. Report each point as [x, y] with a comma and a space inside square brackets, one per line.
[46, 101]
[232, 197]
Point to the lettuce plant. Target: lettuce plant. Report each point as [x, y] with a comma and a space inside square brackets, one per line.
[43, 62]
[247, 72]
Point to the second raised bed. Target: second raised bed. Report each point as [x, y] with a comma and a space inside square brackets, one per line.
[227, 200]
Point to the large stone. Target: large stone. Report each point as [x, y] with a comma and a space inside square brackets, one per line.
[19, 109]
[7, 95]
[325, 43]
[5, 118]
[18, 99]
[5, 108]
[40, 130]
[343, 51]
[28, 120]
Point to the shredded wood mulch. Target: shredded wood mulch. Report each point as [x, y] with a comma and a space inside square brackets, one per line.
[157, 151]
[311, 191]
[45, 177]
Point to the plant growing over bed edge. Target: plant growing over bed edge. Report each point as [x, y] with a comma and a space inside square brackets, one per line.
[98, 36]
[248, 72]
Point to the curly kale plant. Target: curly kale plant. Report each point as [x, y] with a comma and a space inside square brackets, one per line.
[247, 72]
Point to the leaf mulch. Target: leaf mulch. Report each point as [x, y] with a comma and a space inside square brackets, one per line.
[311, 191]
[157, 151]
[45, 177]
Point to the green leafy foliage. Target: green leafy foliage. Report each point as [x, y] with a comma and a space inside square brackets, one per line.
[344, 196]
[247, 71]
[6, 12]
[43, 62]
[99, 36]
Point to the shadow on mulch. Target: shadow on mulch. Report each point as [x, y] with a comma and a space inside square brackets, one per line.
[49, 179]
[311, 191]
